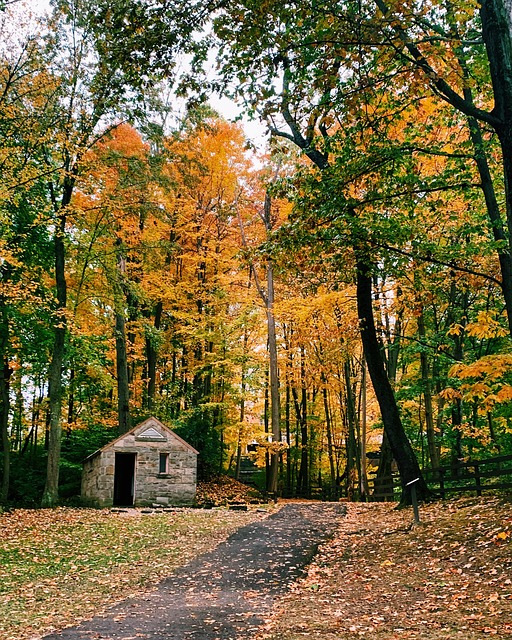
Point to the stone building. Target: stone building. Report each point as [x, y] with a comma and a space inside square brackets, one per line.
[148, 465]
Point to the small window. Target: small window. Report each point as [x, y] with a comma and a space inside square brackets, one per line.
[164, 457]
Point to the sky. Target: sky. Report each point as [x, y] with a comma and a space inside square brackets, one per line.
[254, 130]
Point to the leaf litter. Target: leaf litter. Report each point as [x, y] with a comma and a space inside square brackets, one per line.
[385, 578]
[380, 576]
[60, 566]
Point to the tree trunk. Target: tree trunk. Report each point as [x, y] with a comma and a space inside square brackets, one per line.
[5, 374]
[240, 430]
[402, 451]
[427, 395]
[300, 405]
[71, 401]
[266, 423]
[123, 394]
[458, 354]
[495, 219]
[151, 356]
[123, 387]
[496, 16]
[243, 387]
[328, 430]
[496, 19]
[303, 473]
[275, 411]
[365, 492]
[352, 449]
[268, 300]
[51, 489]
[289, 483]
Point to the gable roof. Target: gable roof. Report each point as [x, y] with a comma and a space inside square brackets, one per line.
[140, 429]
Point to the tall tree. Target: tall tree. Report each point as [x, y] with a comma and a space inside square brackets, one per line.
[93, 93]
[267, 295]
[25, 87]
[309, 97]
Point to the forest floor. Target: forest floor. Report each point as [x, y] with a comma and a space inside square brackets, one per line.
[60, 566]
[227, 593]
[381, 577]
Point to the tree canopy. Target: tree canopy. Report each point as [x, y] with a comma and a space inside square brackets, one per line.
[151, 263]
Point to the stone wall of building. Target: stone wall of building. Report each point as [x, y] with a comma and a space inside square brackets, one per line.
[98, 482]
[177, 486]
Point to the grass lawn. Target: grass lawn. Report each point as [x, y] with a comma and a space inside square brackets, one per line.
[59, 566]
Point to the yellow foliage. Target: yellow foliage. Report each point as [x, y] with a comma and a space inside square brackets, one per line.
[491, 367]
[483, 385]
[455, 330]
[503, 422]
[486, 326]
[450, 394]
[476, 390]
[410, 405]
[504, 394]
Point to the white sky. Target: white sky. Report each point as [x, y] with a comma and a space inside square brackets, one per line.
[255, 131]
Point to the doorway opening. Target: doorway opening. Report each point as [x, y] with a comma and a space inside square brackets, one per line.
[124, 479]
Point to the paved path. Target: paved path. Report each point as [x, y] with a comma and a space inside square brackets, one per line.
[223, 594]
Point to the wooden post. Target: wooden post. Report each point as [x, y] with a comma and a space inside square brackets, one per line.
[478, 481]
[441, 483]
[414, 499]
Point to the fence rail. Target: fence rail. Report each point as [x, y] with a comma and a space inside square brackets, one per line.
[475, 476]
[384, 489]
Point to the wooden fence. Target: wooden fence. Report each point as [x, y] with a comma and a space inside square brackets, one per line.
[492, 474]
[473, 476]
[384, 489]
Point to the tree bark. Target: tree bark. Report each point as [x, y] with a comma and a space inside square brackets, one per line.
[353, 461]
[151, 356]
[71, 401]
[289, 474]
[51, 489]
[275, 412]
[504, 247]
[365, 492]
[427, 396]
[268, 301]
[5, 374]
[123, 387]
[457, 355]
[328, 430]
[402, 451]
[241, 418]
[303, 479]
[496, 20]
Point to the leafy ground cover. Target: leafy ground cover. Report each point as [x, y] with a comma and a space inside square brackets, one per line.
[60, 566]
[381, 578]
[223, 490]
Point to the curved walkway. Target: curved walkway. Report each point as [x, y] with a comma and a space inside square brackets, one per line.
[223, 594]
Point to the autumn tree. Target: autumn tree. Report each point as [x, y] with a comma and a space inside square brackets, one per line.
[306, 109]
[169, 213]
[463, 54]
[25, 90]
[206, 166]
[85, 96]
[90, 94]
